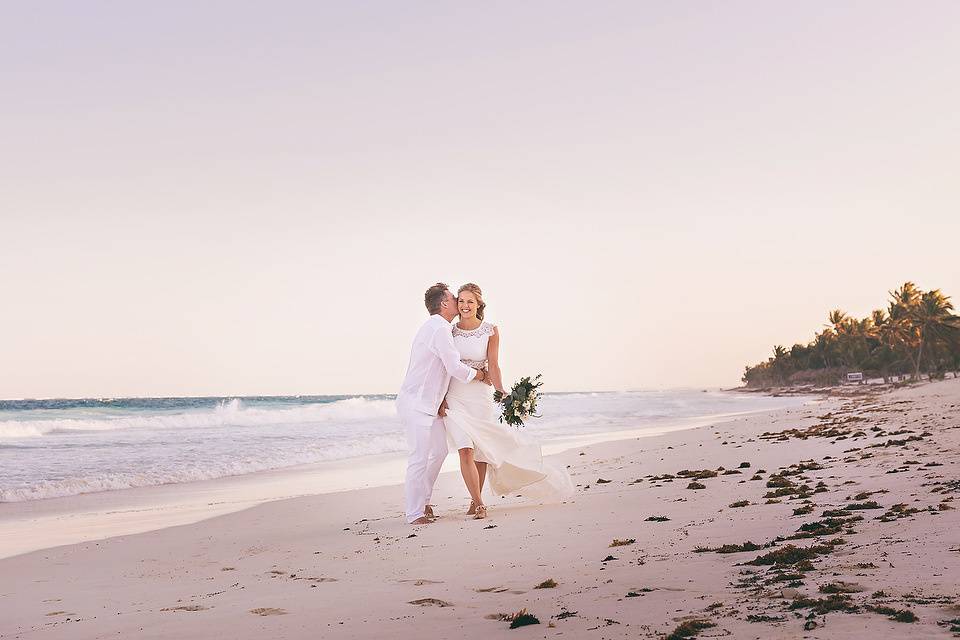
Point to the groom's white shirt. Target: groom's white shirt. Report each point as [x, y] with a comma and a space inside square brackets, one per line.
[434, 359]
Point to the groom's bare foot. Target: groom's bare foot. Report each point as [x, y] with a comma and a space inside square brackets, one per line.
[422, 520]
[428, 512]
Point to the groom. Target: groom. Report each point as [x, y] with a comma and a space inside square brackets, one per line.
[433, 361]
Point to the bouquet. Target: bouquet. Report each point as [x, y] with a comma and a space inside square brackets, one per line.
[521, 402]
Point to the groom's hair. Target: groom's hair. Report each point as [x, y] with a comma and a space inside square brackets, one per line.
[434, 296]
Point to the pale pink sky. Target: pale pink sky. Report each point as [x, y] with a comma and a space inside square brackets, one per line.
[251, 197]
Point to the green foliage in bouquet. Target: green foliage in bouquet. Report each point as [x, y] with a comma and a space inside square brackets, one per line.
[521, 402]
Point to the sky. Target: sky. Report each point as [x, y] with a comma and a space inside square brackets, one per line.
[235, 198]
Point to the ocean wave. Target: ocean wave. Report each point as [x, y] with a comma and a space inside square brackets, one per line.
[177, 471]
[232, 413]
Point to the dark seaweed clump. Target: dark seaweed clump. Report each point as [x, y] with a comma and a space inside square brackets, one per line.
[825, 527]
[840, 587]
[858, 506]
[833, 602]
[522, 619]
[732, 548]
[790, 554]
[899, 615]
[697, 474]
[689, 629]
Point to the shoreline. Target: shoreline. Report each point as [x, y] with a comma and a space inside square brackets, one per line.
[33, 525]
[638, 550]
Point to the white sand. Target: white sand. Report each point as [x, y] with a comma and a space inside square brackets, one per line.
[342, 565]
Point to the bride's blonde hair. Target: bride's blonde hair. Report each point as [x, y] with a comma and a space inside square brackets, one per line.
[475, 290]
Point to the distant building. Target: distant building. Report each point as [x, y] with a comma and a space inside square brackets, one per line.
[855, 377]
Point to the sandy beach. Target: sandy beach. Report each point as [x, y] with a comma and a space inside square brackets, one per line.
[848, 506]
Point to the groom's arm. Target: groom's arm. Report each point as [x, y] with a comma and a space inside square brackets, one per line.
[442, 345]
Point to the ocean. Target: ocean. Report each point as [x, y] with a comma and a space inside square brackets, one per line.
[55, 448]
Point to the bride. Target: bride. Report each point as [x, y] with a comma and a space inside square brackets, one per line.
[489, 448]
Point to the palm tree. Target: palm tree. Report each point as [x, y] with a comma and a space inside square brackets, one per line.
[882, 353]
[824, 347]
[779, 364]
[918, 332]
[837, 318]
[935, 323]
[902, 320]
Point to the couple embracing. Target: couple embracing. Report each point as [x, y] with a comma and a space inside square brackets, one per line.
[447, 399]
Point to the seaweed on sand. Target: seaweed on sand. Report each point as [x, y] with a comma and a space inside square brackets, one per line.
[522, 618]
[697, 474]
[833, 602]
[898, 511]
[840, 587]
[859, 506]
[689, 629]
[825, 527]
[899, 615]
[777, 481]
[732, 548]
[790, 554]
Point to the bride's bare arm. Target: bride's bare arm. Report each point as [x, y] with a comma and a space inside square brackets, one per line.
[493, 360]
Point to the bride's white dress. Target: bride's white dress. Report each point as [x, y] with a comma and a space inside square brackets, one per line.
[514, 461]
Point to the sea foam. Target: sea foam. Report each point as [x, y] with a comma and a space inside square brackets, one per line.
[57, 448]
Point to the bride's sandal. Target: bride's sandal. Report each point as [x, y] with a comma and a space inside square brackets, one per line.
[473, 508]
[481, 512]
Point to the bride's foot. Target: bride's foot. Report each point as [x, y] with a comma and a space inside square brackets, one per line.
[473, 508]
[481, 512]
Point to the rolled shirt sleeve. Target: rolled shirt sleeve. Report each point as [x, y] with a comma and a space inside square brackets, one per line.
[442, 345]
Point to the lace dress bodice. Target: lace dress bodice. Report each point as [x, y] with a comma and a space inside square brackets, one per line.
[472, 344]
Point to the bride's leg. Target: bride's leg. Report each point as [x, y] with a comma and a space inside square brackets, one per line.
[468, 468]
[482, 472]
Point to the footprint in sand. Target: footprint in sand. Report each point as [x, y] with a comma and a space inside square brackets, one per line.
[268, 611]
[431, 602]
[422, 581]
[189, 607]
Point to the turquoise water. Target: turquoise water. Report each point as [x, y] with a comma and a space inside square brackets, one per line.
[51, 448]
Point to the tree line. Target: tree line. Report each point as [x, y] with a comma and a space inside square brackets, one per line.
[916, 334]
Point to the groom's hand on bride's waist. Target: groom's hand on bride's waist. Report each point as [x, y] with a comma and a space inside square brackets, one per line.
[442, 411]
[483, 376]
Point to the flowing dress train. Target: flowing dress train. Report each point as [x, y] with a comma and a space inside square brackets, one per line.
[514, 460]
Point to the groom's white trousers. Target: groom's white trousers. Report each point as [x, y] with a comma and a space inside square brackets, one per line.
[427, 449]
